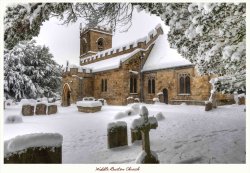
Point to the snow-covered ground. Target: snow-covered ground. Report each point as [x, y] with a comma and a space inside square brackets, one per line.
[188, 134]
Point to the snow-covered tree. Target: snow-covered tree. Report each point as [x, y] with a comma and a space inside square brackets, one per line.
[23, 21]
[30, 72]
[210, 35]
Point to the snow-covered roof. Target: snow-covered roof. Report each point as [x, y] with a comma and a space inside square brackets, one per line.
[162, 56]
[111, 63]
[122, 47]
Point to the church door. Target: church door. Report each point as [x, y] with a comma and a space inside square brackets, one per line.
[165, 95]
[66, 95]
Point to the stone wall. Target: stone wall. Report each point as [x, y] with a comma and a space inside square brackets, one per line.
[169, 79]
[78, 90]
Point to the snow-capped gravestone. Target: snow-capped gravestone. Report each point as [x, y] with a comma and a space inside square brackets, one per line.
[41, 109]
[117, 134]
[34, 148]
[52, 108]
[89, 106]
[144, 124]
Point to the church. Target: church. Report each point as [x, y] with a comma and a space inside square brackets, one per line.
[139, 71]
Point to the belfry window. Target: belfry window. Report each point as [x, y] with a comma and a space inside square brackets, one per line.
[184, 84]
[100, 44]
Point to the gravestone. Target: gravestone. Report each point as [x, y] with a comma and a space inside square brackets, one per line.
[208, 106]
[144, 124]
[117, 134]
[52, 109]
[135, 135]
[241, 101]
[41, 109]
[34, 148]
[27, 110]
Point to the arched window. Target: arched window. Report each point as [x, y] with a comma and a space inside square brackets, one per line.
[184, 84]
[133, 84]
[151, 86]
[100, 44]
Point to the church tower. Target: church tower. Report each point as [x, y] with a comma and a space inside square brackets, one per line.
[94, 39]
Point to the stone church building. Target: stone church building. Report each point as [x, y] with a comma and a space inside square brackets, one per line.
[139, 71]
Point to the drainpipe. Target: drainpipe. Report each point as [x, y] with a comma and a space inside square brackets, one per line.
[141, 78]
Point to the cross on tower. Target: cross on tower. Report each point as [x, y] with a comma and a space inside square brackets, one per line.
[144, 124]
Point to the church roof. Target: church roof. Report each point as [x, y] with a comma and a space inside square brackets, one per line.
[111, 63]
[162, 56]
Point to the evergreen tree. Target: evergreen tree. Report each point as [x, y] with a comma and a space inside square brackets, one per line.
[210, 35]
[30, 72]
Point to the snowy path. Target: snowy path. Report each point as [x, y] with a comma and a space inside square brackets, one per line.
[188, 134]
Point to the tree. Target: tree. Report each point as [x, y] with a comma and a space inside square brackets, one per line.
[23, 21]
[30, 72]
[210, 35]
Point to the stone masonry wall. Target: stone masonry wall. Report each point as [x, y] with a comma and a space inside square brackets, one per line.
[168, 78]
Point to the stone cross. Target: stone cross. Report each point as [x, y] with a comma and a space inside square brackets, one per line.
[144, 124]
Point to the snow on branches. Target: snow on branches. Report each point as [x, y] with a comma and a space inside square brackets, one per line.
[210, 35]
[30, 71]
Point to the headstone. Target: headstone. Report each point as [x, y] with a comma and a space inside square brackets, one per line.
[130, 100]
[208, 106]
[52, 109]
[144, 124]
[241, 101]
[117, 134]
[27, 110]
[41, 109]
[34, 148]
[135, 135]
[37, 155]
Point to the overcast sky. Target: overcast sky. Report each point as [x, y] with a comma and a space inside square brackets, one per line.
[64, 41]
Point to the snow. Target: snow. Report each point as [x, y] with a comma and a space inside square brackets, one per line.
[159, 116]
[120, 115]
[137, 123]
[28, 102]
[13, 119]
[187, 134]
[89, 103]
[241, 95]
[23, 142]
[143, 111]
[162, 56]
[134, 72]
[117, 124]
[141, 157]
[155, 99]
[132, 110]
[111, 63]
